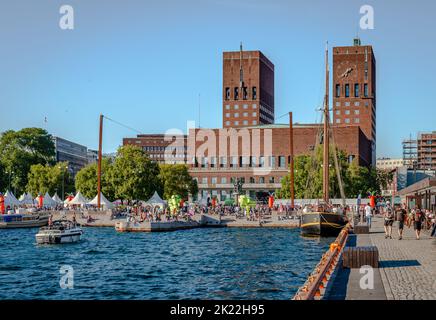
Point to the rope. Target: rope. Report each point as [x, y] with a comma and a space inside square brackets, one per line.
[123, 125]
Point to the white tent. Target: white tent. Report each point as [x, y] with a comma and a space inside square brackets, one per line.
[26, 199]
[57, 199]
[48, 201]
[105, 203]
[155, 200]
[10, 199]
[79, 199]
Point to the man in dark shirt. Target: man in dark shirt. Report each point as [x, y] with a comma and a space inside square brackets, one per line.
[401, 217]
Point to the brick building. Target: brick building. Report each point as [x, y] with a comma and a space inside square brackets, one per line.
[160, 147]
[426, 147]
[248, 89]
[354, 89]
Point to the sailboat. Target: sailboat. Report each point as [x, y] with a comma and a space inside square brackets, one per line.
[322, 220]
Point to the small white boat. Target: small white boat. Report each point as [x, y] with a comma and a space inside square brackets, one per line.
[61, 231]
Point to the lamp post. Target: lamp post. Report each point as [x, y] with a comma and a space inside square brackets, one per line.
[63, 180]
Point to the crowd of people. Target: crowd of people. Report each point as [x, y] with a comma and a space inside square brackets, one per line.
[419, 219]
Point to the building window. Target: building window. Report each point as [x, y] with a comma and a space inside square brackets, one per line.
[253, 162]
[282, 162]
[227, 123]
[223, 162]
[234, 162]
[227, 115]
[271, 179]
[356, 90]
[236, 115]
[236, 107]
[338, 112]
[242, 179]
[356, 112]
[338, 120]
[254, 114]
[338, 90]
[261, 161]
[227, 93]
[357, 120]
[347, 120]
[227, 107]
[261, 179]
[347, 111]
[347, 104]
[245, 106]
[252, 180]
[254, 106]
[365, 90]
[338, 104]
[272, 162]
[213, 180]
[213, 162]
[347, 90]
[236, 123]
[357, 104]
[245, 122]
[223, 180]
[236, 93]
[245, 114]
[254, 90]
[204, 162]
[244, 93]
[204, 180]
[254, 122]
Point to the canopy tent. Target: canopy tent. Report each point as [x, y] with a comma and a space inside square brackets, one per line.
[57, 199]
[105, 203]
[10, 200]
[48, 201]
[156, 200]
[79, 199]
[26, 199]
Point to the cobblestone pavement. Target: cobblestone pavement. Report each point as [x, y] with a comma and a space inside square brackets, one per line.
[408, 266]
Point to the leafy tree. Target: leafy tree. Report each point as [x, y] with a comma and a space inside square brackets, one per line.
[45, 178]
[134, 176]
[19, 150]
[176, 180]
[86, 180]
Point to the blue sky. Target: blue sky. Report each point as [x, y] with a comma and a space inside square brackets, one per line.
[144, 63]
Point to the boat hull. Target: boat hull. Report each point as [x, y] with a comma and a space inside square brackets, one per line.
[58, 239]
[324, 224]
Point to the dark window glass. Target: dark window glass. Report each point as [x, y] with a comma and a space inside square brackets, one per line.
[338, 90]
[365, 90]
[254, 93]
[227, 93]
[356, 90]
[244, 93]
[347, 90]
[236, 93]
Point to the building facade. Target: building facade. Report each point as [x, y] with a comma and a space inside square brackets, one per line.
[92, 156]
[248, 89]
[161, 148]
[354, 89]
[426, 150]
[76, 154]
[389, 164]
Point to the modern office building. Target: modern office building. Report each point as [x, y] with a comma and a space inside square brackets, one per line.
[92, 156]
[76, 154]
[248, 89]
[420, 153]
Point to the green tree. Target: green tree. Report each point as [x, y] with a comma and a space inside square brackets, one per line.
[176, 180]
[133, 175]
[46, 178]
[86, 180]
[19, 150]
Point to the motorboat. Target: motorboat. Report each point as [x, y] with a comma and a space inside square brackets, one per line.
[60, 231]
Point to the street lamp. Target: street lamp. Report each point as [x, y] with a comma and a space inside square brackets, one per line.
[63, 180]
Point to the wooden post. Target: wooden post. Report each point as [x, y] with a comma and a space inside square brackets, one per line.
[291, 152]
[100, 139]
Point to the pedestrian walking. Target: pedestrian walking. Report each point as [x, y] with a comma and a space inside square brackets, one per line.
[388, 220]
[418, 218]
[401, 217]
[368, 214]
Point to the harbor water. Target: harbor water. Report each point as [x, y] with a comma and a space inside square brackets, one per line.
[223, 263]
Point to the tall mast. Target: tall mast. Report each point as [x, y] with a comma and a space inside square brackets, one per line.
[291, 152]
[241, 72]
[326, 134]
[100, 139]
